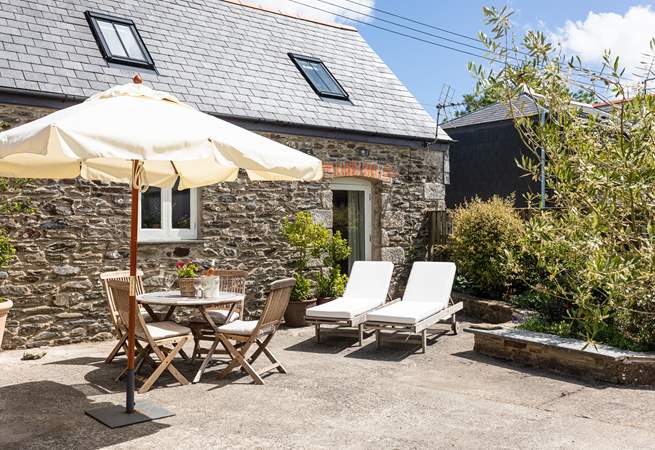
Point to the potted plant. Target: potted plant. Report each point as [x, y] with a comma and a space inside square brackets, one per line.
[307, 239]
[332, 285]
[187, 272]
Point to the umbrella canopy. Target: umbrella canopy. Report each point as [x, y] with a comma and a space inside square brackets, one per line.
[136, 135]
[99, 138]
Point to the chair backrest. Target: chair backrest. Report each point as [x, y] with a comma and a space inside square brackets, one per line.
[430, 282]
[120, 291]
[369, 280]
[232, 280]
[119, 275]
[278, 299]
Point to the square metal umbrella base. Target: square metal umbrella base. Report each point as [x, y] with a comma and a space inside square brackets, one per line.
[115, 416]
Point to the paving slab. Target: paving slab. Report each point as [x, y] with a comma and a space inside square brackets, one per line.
[336, 395]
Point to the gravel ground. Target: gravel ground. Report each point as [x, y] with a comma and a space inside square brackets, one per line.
[336, 395]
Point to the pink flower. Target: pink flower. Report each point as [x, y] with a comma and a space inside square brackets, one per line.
[179, 265]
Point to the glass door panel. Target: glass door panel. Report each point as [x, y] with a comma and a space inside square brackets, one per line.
[350, 209]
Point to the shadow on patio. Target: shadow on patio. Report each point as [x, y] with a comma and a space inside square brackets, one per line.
[46, 414]
[392, 350]
[396, 348]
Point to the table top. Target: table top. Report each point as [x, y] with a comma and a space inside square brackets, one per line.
[174, 298]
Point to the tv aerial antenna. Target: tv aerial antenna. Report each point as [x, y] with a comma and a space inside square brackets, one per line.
[444, 103]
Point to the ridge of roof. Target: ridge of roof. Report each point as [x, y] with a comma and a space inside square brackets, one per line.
[254, 5]
[523, 105]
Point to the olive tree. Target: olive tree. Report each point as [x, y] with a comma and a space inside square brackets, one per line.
[595, 249]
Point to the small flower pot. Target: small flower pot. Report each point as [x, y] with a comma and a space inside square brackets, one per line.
[186, 286]
[294, 316]
[4, 310]
[322, 300]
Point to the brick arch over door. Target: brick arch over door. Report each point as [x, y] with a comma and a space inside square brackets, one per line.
[360, 169]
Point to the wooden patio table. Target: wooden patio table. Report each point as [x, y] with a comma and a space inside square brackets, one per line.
[173, 299]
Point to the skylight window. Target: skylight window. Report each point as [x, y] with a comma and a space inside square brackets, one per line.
[119, 41]
[319, 77]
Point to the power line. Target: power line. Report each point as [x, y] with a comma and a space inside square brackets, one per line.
[417, 30]
[414, 21]
[585, 71]
[417, 38]
[400, 33]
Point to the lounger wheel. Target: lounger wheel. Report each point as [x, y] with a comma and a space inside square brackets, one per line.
[454, 327]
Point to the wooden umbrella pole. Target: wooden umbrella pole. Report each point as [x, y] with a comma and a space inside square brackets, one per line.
[131, 331]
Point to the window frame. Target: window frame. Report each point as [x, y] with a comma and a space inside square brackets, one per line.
[296, 58]
[93, 17]
[167, 233]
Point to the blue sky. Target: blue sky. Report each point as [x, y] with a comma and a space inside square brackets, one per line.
[425, 68]
[582, 27]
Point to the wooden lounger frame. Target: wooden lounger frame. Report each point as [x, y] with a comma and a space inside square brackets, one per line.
[356, 322]
[421, 327]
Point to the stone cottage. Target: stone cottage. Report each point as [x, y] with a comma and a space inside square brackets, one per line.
[315, 86]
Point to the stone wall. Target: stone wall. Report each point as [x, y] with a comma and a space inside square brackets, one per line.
[80, 229]
[567, 356]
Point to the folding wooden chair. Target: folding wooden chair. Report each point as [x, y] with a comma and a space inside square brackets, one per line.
[230, 281]
[155, 337]
[120, 329]
[258, 332]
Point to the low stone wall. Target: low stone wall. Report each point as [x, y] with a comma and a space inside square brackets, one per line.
[484, 310]
[568, 356]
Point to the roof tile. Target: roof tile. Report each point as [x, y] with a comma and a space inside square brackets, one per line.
[223, 57]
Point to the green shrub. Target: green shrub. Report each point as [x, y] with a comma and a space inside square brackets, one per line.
[552, 309]
[7, 251]
[307, 239]
[331, 285]
[335, 250]
[486, 245]
[597, 249]
[302, 291]
[608, 333]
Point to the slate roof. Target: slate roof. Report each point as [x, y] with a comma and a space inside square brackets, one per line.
[523, 106]
[224, 57]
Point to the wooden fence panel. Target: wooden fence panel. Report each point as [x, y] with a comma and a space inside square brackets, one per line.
[440, 227]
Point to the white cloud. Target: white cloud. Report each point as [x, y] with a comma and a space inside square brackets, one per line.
[342, 8]
[627, 35]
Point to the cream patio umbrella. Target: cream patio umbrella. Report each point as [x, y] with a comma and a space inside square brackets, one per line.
[133, 134]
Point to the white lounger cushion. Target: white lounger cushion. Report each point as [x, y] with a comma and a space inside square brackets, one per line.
[404, 312]
[369, 280]
[430, 282]
[366, 289]
[343, 308]
[427, 292]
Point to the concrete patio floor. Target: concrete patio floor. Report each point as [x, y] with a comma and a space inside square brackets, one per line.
[336, 395]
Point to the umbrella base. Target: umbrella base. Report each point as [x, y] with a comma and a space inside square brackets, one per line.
[115, 416]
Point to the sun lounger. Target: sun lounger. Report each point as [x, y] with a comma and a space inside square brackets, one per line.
[425, 302]
[367, 289]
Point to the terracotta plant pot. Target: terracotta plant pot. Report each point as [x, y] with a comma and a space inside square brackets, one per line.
[322, 300]
[294, 316]
[4, 310]
[186, 287]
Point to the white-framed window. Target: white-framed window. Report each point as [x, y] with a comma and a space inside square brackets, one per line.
[166, 214]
